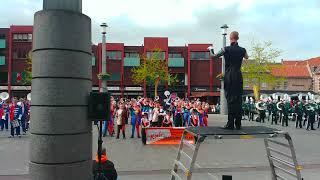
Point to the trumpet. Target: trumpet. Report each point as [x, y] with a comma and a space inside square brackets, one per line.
[156, 98]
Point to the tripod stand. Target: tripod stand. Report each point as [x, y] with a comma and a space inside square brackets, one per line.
[99, 175]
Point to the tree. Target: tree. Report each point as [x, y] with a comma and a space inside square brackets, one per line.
[28, 70]
[257, 69]
[153, 70]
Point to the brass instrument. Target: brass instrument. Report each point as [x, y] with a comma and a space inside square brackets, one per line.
[4, 96]
[156, 99]
[261, 106]
[280, 106]
[29, 97]
[311, 106]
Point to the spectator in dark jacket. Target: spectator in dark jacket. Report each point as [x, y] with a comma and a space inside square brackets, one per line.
[107, 167]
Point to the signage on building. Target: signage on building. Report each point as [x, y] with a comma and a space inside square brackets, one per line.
[200, 89]
[16, 88]
[133, 88]
[113, 88]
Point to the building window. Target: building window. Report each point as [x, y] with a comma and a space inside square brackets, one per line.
[22, 37]
[175, 55]
[131, 54]
[278, 85]
[246, 83]
[201, 55]
[114, 55]
[264, 85]
[2, 36]
[180, 81]
[3, 77]
[29, 37]
[285, 85]
[161, 55]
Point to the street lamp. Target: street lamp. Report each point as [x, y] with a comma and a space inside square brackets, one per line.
[223, 102]
[103, 57]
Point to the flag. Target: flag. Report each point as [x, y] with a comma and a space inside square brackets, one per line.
[18, 78]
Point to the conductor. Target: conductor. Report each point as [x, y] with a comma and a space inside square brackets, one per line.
[233, 82]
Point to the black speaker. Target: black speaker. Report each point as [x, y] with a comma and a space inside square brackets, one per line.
[226, 177]
[99, 106]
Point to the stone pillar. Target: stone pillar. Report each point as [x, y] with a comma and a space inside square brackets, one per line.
[61, 137]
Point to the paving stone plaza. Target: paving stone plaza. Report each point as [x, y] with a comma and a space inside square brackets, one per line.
[243, 159]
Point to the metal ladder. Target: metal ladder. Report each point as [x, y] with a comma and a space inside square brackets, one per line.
[187, 169]
[282, 162]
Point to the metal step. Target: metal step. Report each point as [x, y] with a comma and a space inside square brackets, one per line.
[187, 143]
[283, 162]
[186, 155]
[279, 143]
[176, 175]
[285, 170]
[281, 177]
[184, 169]
[279, 152]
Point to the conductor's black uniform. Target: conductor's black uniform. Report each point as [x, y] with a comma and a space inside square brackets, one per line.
[233, 82]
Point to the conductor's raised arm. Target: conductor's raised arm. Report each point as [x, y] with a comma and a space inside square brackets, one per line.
[219, 54]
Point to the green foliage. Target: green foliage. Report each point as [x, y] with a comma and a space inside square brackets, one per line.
[26, 80]
[102, 76]
[257, 69]
[153, 71]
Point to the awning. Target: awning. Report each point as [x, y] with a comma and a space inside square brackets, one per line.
[204, 94]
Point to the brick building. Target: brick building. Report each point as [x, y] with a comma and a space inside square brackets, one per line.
[195, 70]
[296, 79]
[313, 65]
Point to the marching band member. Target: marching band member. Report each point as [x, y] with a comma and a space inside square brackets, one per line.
[155, 116]
[285, 111]
[15, 117]
[194, 118]
[120, 119]
[4, 115]
[206, 114]
[299, 112]
[311, 118]
[136, 120]
[262, 110]
[144, 120]
[177, 118]
[274, 112]
[251, 109]
[186, 115]
[200, 115]
[167, 121]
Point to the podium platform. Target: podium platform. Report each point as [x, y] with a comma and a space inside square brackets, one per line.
[281, 155]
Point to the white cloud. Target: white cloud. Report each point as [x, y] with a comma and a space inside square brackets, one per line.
[290, 24]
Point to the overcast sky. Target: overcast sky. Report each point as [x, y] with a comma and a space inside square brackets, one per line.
[292, 25]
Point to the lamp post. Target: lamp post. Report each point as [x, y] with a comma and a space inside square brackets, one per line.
[223, 103]
[103, 57]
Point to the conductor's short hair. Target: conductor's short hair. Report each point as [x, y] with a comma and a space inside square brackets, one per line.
[234, 35]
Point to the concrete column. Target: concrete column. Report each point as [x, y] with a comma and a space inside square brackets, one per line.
[61, 138]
